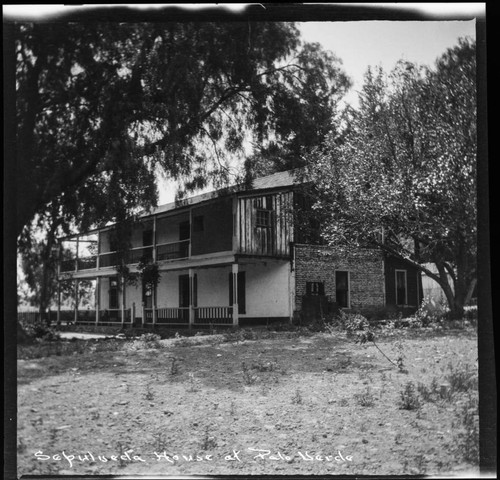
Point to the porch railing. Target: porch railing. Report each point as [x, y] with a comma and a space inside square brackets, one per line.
[114, 315]
[213, 315]
[173, 315]
[172, 251]
[165, 251]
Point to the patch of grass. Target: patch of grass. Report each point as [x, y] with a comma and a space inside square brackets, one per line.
[297, 397]
[408, 398]
[174, 367]
[343, 402]
[262, 366]
[248, 377]
[429, 393]
[208, 441]
[365, 399]
[193, 383]
[462, 378]
[160, 442]
[467, 438]
[149, 396]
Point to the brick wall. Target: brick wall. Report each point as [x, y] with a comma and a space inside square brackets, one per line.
[319, 263]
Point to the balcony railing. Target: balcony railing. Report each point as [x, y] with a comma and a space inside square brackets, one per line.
[86, 263]
[172, 251]
[164, 252]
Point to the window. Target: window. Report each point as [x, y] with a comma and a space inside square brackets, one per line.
[401, 288]
[263, 218]
[147, 240]
[113, 293]
[342, 288]
[198, 225]
[241, 291]
[315, 288]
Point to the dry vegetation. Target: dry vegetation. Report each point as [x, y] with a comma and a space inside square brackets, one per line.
[257, 402]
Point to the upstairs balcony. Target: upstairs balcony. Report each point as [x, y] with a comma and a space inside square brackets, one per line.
[163, 252]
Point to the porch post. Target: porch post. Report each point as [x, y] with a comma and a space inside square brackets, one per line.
[143, 313]
[123, 301]
[58, 301]
[154, 239]
[97, 298]
[234, 270]
[76, 300]
[133, 313]
[191, 293]
[76, 260]
[153, 294]
[98, 253]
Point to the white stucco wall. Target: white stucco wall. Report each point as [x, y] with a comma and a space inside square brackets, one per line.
[213, 287]
[267, 290]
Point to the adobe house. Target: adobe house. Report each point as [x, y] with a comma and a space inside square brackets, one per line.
[231, 257]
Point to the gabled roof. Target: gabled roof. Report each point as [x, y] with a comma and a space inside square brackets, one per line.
[269, 182]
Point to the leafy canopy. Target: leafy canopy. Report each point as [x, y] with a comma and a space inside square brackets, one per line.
[406, 167]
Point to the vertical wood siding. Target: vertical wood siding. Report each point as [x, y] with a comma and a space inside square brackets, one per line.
[273, 240]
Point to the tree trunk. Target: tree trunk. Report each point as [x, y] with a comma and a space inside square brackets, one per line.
[455, 299]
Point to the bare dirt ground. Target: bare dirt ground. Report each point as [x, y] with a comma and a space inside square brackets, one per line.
[286, 404]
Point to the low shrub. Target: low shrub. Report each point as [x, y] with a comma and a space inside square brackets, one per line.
[408, 398]
[41, 331]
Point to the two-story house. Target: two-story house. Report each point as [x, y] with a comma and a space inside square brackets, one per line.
[231, 257]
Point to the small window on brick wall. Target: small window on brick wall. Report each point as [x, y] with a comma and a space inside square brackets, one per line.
[315, 288]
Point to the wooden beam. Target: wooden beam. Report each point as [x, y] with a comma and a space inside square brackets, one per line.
[234, 271]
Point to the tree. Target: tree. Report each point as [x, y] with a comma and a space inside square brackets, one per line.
[403, 177]
[101, 107]
[304, 106]
[99, 104]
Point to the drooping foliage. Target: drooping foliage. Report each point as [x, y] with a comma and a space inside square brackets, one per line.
[102, 108]
[403, 177]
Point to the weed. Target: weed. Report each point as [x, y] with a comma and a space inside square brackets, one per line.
[431, 393]
[467, 438]
[122, 448]
[193, 383]
[149, 396]
[160, 441]
[248, 377]
[208, 442]
[232, 409]
[461, 378]
[314, 438]
[365, 399]
[297, 398]
[174, 367]
[343, 402]
[262, 366]
[150, 340]
[409, 398]
[94, 414]
[21, 446]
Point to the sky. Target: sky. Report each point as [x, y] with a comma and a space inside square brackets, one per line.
[371, 43]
